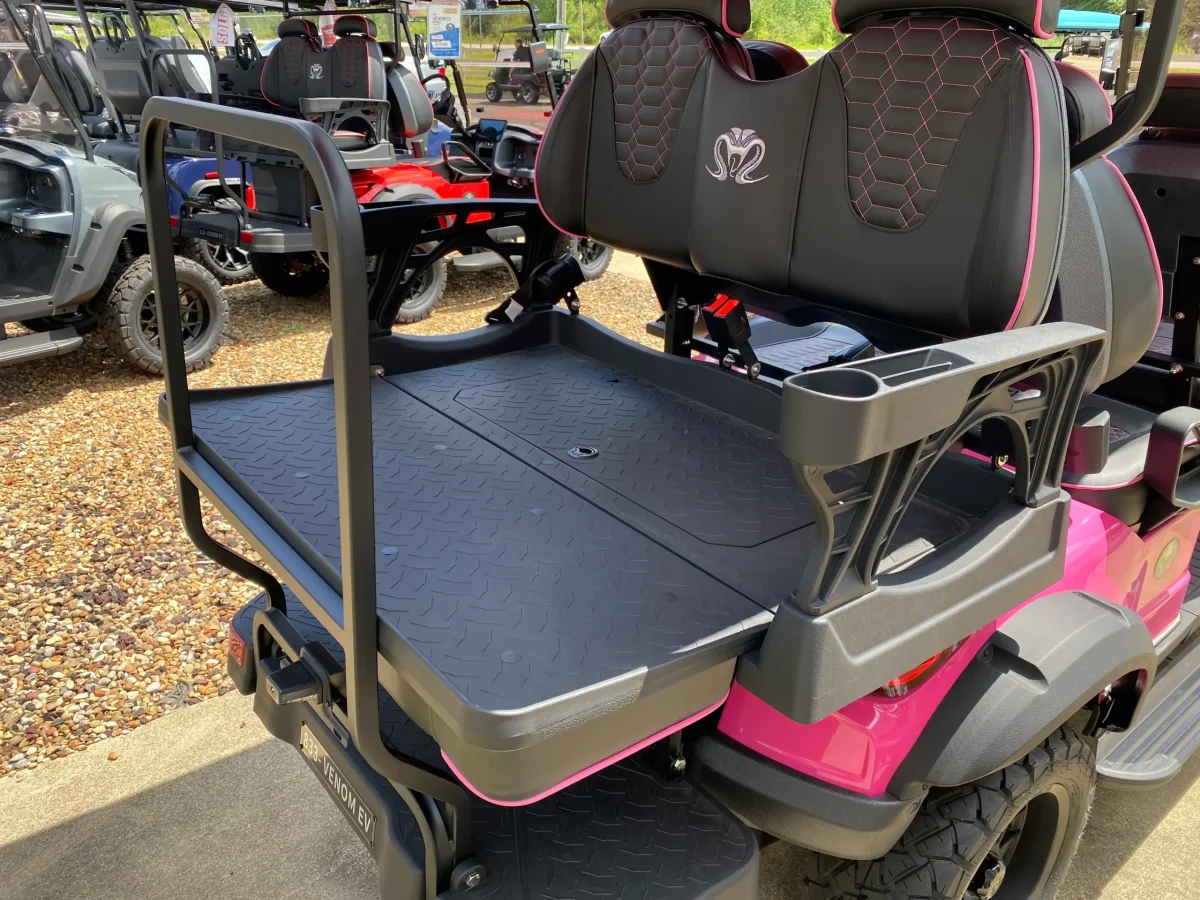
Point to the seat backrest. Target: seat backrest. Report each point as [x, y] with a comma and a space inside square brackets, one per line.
[1109, 276]
[359, 70]
[299, 67]
[411, 113]
[77, 75]
[122, 66]
[918, 177]
[295, 67]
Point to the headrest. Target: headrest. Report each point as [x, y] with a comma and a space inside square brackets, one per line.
[731, 16]
[297, 28]
[1037, 17]
[348, 25]
[1088, 109]
[392, 52]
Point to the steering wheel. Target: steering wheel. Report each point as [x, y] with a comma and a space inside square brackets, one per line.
[435, 77]
[245, 50]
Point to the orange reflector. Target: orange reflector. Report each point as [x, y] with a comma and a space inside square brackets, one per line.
[237, 647]
[916, 676]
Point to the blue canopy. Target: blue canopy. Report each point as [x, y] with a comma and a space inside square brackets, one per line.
[1086, 21]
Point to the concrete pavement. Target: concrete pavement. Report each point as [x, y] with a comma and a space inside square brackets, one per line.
[203, 804]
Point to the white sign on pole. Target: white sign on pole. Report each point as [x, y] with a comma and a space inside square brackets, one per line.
[445, 30]
[327, 35]
[223, 27]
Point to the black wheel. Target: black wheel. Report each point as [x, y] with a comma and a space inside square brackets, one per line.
[492, 92]
[129, 321]
[291, 274]
[1009, 836]
[593, 257]
[529, 92]
[426, 293]
[80, 319]
[230, 265]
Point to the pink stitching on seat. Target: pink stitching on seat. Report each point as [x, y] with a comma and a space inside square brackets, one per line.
[1033, 213]
[652, 63]
[910, 88]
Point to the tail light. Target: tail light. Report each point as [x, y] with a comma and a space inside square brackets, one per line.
[237, 647]
[916, 676]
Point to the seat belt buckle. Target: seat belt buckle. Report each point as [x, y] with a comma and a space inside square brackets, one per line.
[729, 326]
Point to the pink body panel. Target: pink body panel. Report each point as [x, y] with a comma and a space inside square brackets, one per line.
[860, 747]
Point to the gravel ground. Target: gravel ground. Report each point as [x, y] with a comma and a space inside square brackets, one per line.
[109, 617]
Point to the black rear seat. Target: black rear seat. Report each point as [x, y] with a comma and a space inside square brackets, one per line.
[299, 69]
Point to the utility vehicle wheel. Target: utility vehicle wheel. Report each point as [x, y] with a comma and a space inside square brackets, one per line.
[129, 322]
[291, 274]
[229, 265]
[530, 93]
[492, 92]
[593, 258]
[1009, 836]
[426, 294]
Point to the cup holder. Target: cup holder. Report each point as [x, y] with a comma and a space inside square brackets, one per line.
[852, 384]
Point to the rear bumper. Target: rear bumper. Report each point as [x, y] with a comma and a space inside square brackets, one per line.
[795, 807]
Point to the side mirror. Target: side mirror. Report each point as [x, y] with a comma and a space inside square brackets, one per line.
[419, 40]
[539, 57]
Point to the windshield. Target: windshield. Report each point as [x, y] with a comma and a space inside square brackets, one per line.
[29, 106]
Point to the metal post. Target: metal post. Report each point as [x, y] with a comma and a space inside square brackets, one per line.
[350, 366]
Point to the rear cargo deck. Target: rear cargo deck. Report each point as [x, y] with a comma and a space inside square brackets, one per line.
[568, 557]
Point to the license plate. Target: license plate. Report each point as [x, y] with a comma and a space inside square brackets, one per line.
[339, 789]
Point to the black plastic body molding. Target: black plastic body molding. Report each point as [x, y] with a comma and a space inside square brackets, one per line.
[897, 415]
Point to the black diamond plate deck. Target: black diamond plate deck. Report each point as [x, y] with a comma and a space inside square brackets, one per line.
[621, 834]
[531, 600]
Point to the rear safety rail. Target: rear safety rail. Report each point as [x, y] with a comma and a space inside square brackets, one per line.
[352, 398]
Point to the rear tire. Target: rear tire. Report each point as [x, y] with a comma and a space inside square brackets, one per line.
[129, 321]
[529, 93]
[1010, 835]
[291, 274]
[427, 294]
[593, 258]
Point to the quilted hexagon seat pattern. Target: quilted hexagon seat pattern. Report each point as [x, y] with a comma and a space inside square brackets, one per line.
[911, 87]
[652, 63]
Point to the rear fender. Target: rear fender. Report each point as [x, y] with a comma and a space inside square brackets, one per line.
[1038, 669]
